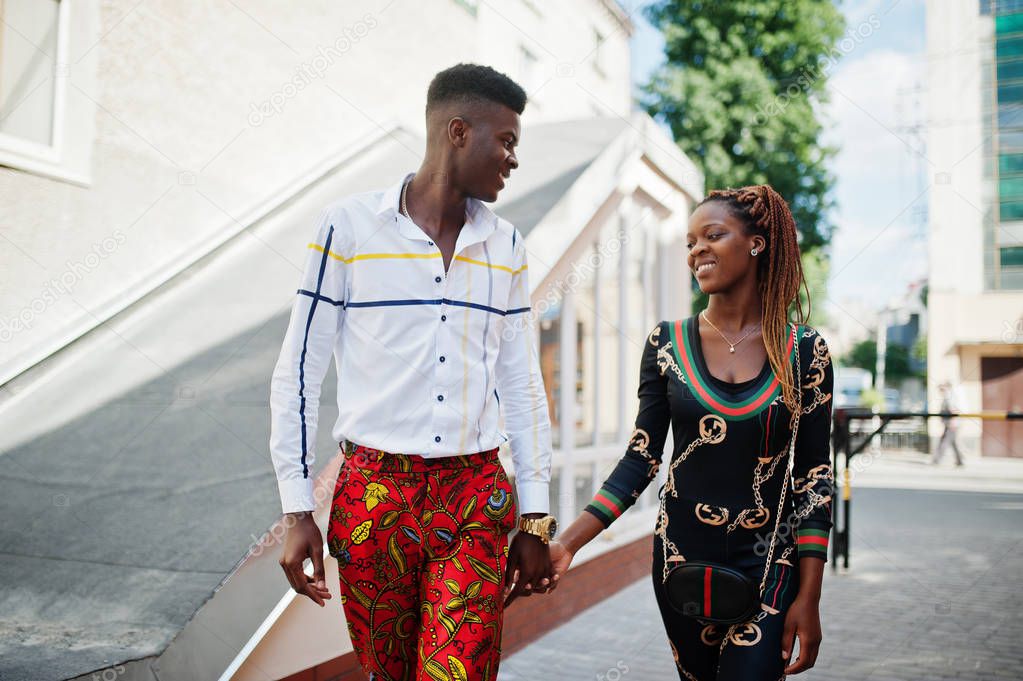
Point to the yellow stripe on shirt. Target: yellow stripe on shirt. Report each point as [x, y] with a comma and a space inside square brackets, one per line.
[410, 256]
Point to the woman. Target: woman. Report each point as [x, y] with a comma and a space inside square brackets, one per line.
[724, 380]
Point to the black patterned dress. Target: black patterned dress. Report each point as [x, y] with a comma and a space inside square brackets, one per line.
[722, 497]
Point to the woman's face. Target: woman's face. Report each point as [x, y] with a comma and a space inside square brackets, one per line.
[719, 248]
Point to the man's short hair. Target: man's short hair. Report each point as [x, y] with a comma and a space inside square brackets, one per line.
[471, 84]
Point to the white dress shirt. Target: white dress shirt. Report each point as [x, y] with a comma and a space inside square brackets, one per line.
[426, 359]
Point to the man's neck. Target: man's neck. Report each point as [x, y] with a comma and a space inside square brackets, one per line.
[434, 204]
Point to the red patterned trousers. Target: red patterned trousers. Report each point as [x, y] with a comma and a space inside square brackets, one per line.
[421, 545]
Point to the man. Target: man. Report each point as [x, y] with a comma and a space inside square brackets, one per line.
[951, 403]
[421, 293]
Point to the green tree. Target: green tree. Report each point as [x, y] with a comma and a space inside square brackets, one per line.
[896, 361]
[741, 91]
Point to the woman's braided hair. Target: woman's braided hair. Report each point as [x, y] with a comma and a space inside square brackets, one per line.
[779, 272]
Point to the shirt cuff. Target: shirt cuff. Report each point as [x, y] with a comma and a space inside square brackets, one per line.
[533, 497]
[296, 495]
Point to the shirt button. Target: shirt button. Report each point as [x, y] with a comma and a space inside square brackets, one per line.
[443, 317]
[430, 242]
[437, 279]
[442, 358]
[436, 439]
[440, 398]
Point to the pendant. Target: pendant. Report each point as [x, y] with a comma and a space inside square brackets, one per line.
[731, 348]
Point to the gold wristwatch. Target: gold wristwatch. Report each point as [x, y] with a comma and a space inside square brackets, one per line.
[545, 528]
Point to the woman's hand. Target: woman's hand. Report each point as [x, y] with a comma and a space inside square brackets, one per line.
[802, 621]
[561, 559]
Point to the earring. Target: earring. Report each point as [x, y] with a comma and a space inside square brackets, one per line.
[753, 252]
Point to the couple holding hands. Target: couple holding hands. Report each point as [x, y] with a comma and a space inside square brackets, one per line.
[421, 294]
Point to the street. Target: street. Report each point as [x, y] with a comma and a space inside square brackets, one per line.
[931, 593]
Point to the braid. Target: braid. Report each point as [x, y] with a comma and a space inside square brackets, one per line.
[779, 273]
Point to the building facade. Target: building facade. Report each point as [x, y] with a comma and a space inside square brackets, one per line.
[975, 147]
[161, 165]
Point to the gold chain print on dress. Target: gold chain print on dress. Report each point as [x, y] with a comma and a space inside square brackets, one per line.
[712, 431]
[822, 476]
[639, 442]
[665, 355]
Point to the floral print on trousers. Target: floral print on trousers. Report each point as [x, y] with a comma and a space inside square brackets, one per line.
[422, 546]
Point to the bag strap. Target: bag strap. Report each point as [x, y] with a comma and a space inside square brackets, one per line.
[798, 379]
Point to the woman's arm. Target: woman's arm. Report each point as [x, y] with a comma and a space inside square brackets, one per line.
[635, 470]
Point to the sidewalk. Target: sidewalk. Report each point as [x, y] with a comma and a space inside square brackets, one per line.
[931, 593]
[912, 470]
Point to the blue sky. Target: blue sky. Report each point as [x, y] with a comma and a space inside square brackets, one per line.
[875, 116]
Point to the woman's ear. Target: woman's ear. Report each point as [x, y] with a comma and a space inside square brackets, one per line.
[759, 243]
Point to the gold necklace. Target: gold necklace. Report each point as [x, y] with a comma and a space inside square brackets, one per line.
[731, 345]
[404, 192]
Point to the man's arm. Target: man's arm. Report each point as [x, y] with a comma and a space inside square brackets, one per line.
[316, 318]
[527, 421]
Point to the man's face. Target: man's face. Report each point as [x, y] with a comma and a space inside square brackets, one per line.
[490, 156]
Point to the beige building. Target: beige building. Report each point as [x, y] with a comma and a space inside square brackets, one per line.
[161, 164]
[975, 146]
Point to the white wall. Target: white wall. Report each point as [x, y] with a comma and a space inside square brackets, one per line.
[187, 144]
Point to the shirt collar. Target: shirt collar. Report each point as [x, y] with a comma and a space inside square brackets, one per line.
[480, 221]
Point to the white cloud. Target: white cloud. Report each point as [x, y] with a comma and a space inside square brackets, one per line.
[877, 249]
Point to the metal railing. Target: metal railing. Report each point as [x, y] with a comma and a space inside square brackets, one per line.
[847, 442]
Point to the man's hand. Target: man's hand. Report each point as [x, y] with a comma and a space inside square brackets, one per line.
[303, 540]
[802, 621]
[529, 567]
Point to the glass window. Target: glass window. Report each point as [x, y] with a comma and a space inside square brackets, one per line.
[1010, 70]
[609, 248]
[1010, 164]
[1010, 115]
[1010, 210]
[1009, 94]
[1009, 47]
[1010, 140]
[1011, 256]
[588, 363]
[550, 363]
[1010, 187]
[1008, 23]
[28, 59]
[598, 53]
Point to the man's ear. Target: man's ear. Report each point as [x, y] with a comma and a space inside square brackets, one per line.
[458, 131]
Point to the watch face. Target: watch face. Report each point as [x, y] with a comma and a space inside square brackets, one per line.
[552, 528]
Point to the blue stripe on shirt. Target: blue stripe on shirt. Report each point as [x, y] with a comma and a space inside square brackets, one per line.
[305, 347]
[435, 301]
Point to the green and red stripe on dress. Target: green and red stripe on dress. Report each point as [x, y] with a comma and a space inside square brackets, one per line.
[703, 391]
[607, 505]
[812, 541]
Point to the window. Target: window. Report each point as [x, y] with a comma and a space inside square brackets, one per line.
[28, 58]
[42, 128]
[598, 53]
[550, 365]
[470, 6]
[1003, 250]
[529, 74]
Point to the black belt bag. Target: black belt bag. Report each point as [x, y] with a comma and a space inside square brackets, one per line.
[712, 592]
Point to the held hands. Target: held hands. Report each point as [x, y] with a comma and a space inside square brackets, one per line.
[303, 540]
[518, 583]
[529, 567]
